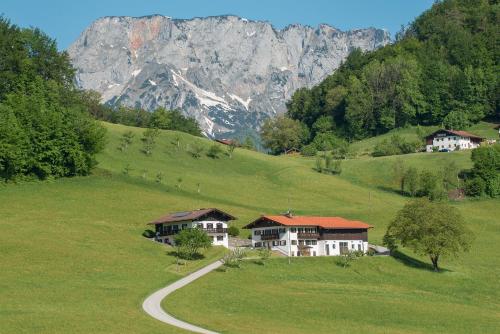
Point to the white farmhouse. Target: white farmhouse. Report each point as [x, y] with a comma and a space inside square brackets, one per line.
[451, 140]
[212, 221]
[309, 236]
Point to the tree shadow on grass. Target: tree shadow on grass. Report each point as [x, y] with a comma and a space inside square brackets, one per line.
[415, 263]
[392, 190]
[182, 256]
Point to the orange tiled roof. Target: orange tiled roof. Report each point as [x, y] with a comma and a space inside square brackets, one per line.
[324, 222]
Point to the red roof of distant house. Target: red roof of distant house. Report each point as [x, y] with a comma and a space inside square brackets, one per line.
[457, 133]
[324, 222]
[225, 141]
[188, 215]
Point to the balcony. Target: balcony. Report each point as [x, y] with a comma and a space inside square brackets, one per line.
[206, 230]
[214, 230]
[303, 235]
[269, 236]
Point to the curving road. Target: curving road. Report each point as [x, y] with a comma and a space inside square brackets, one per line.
[152, 304]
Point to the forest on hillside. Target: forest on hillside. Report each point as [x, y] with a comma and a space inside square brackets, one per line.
[442, 70]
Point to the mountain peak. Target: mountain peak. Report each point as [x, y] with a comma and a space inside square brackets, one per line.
[228, 72]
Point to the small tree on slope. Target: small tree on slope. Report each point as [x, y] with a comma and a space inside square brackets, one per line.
[432, 229]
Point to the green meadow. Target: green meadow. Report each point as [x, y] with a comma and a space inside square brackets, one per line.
[74, 261]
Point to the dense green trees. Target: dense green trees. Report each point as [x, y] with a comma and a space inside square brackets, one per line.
[45, 130]
[431, 229]
[442, 70]
[485, 174]
[282, 133]
[160, 118]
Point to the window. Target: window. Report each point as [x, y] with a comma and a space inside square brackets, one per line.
[200, 225]
[300, 230]
[294, 242]
[301, 242]
[256, 232]
[220, 238]
[210, 225]
[219, 225]
[359, 247]
[283, 243]
[333, 245]
[258, 244]
[314, 253]
[184, 226]
[352, 246]
[293, 230]
[282, 230]
[275, 242]
[175, 227]
[327, 249]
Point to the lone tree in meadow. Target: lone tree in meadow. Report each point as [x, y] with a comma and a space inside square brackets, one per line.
[189, 242]
[430, 228]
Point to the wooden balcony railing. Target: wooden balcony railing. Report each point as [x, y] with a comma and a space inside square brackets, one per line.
[269, 236]
[214, 230]
[304, 235]
[206, 230]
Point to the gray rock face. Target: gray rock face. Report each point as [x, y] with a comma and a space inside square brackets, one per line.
[227, 72]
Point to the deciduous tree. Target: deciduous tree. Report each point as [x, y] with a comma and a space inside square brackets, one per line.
[431, 229]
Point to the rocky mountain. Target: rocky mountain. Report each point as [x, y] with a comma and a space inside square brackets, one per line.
[228, 72]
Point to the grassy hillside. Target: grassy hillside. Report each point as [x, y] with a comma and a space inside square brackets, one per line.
[74, 260]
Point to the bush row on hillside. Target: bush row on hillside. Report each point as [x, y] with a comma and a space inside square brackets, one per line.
[396, 145]
[160, 118]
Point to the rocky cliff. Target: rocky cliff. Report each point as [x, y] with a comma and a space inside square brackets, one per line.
[228, 72]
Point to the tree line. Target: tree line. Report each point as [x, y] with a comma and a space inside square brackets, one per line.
[159, 118]
[442, 70]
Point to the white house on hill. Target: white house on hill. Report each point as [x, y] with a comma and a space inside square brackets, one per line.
[212, 221]
[452, 140]
[309, 236]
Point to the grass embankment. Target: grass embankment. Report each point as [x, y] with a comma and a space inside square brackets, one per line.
[74, 260]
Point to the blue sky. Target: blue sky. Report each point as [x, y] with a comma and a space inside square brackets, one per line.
[64, 20]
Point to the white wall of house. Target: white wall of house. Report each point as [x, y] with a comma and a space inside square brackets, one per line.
[218, 238]
[287, 242]
[452, 143]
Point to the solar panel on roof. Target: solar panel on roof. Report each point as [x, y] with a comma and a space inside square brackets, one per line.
[181, 214]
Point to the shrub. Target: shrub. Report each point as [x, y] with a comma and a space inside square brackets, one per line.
[475, 187]
[309, 150]
[214, 151]
[233, 231]
[149, 140]
[345, 260]
[394, 146]
[234, 257]
[264, 254]
[148, 234]
[196, 150]
[159, 177]
[319, 164]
